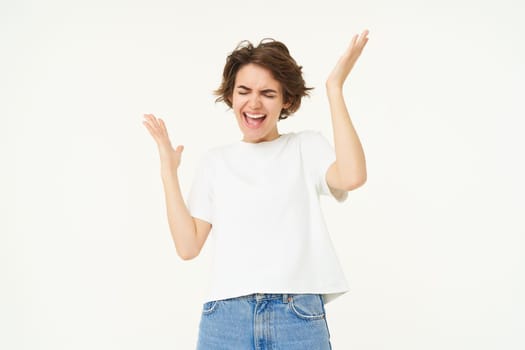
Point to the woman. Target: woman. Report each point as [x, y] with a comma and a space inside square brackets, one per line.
[274, 266]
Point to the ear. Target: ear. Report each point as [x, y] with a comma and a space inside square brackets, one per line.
[287, 105]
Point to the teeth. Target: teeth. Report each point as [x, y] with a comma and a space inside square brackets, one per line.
[254, 116]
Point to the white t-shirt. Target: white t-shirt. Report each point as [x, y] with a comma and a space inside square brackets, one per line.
[268, 230]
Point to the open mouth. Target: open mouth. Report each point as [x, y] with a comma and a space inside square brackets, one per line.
[253, 120]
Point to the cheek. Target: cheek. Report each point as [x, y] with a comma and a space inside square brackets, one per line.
[237, 103]
[276, 106]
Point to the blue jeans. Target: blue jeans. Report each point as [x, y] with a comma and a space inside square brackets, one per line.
[264, 322]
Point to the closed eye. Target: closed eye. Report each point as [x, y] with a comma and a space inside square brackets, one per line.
[245, 93]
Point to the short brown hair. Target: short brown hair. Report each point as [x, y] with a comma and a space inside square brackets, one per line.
[274, 56]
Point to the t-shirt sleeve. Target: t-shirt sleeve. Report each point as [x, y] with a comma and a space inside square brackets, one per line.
[200, 197]
[319, 154]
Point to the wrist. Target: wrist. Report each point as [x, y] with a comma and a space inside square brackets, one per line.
[168, 169]
[333, 87]
[334, 92]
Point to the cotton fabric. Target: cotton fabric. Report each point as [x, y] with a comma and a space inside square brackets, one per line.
[268, 231]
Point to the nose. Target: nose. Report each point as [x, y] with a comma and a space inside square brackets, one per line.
[255, 101]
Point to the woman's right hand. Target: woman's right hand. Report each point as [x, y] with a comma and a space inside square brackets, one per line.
[169, 157]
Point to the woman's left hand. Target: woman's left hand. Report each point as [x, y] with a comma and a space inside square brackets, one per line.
[345, 64]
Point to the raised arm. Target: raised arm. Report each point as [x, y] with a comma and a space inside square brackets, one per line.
[349, 170]
[188, 233]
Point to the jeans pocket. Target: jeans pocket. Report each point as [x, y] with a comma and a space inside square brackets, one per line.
[307, 306]
[209, 307]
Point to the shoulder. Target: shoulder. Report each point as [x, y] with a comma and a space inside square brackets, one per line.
[310, 134]
[306, 133]
[311, 137]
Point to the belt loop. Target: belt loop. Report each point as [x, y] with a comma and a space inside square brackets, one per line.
[287, 298]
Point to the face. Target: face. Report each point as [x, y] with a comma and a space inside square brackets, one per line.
[258, 95]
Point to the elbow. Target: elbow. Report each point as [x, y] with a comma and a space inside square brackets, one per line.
[356, 183]
[187, 255]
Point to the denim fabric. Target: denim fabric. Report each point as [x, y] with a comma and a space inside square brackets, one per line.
[264, 322]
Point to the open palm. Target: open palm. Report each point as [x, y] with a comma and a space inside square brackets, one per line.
[170, 158]
[347, 61]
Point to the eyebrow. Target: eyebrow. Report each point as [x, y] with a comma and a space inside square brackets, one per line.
[247, 88]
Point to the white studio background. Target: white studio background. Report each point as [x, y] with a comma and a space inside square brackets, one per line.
[432, 244]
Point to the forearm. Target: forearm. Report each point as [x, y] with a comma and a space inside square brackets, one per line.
[182, 226]
[350, 158]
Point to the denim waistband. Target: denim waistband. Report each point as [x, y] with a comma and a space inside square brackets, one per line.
[266, 296]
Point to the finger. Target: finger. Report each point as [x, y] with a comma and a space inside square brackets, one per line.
[161, 122]
[154, 133]
[150, 130]
[363, 37]
[354, 39]
[149, 119]
[149, 126]
[156, 122]
[350, 47]
[149, 123]
[164, 130]
[154, 130]
[365, 40]
[152, 120]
